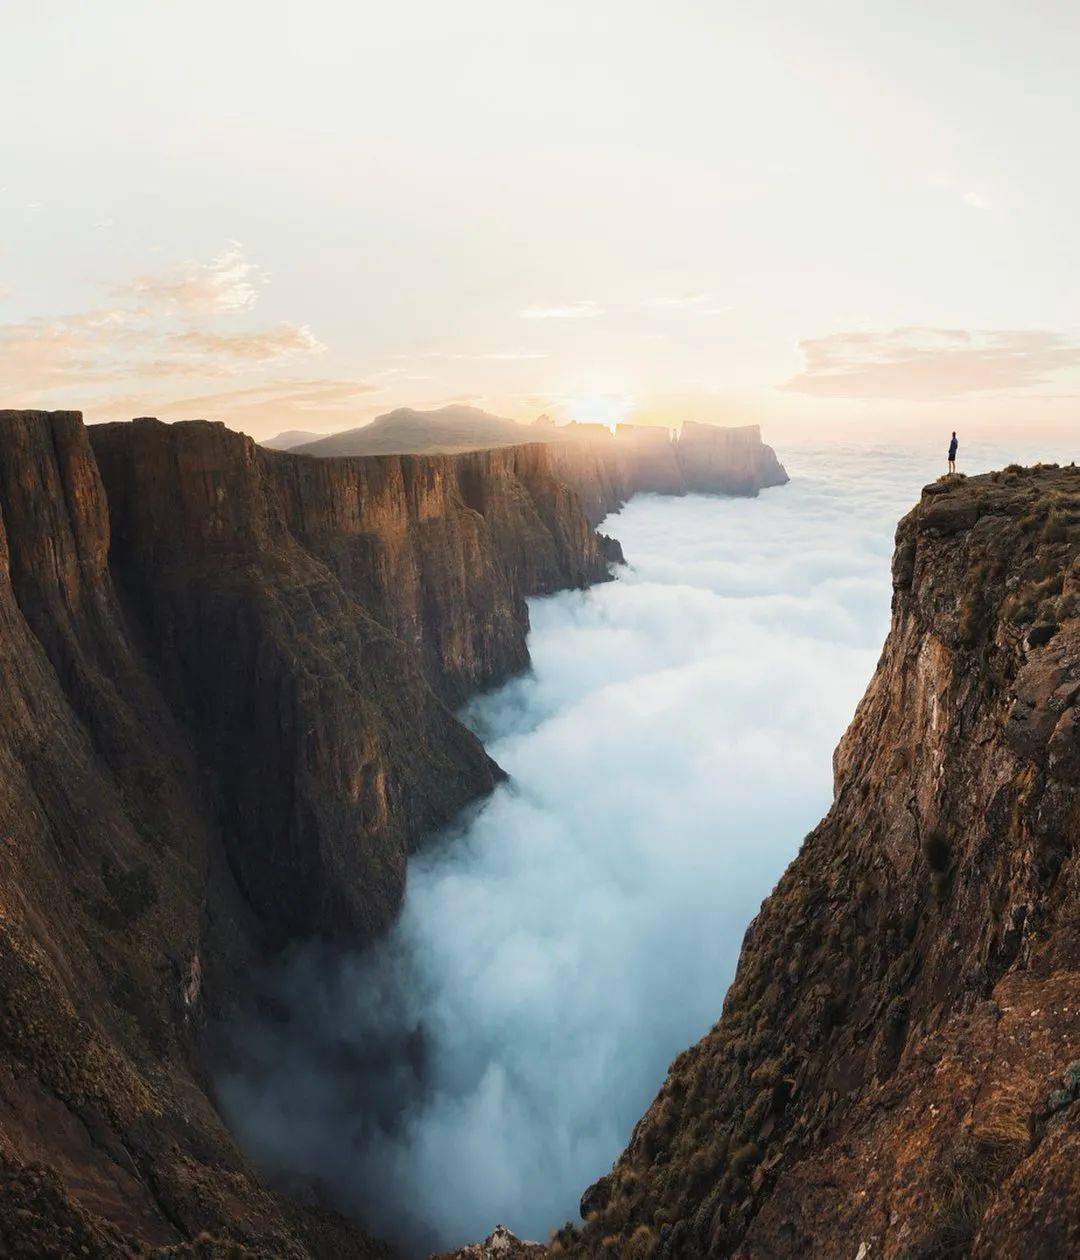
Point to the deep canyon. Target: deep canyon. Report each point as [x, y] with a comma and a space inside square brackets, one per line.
[565, 940]
[229, 677]
[225, 726]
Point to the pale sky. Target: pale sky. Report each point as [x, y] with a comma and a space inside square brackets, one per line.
[824, 216]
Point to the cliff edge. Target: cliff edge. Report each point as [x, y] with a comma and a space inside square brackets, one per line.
[224, 723]
[605, 469]
[896, 1071]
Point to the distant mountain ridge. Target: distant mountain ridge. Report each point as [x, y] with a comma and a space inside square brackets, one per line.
[289, 439]
[409, 431]
[604, 468]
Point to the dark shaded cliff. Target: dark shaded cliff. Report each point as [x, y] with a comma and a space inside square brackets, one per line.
[222, 724]
[897, 1068]
[300, 613]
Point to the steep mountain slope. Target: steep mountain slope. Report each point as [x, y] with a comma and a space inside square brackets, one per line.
[209, 743]
[406, 430]
[896, 1071]
[288, 439]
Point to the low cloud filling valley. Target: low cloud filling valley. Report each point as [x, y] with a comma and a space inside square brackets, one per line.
[567, 938]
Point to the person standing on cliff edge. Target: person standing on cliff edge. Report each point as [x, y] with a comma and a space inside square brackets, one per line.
[952, 453]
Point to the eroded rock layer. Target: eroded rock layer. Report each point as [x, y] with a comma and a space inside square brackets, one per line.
[896, 1072]
[223, 676]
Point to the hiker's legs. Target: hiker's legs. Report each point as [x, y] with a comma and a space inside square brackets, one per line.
[952, 466]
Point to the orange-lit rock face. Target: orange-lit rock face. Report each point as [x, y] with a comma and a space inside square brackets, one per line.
[222, 727]
[895, 1072]
[602, 467]
[301, 608]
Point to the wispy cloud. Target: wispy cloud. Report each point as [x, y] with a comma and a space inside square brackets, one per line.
[665, 304]
[226, 284]
[180, 322]
[680, 303]
[263, 346]
[39, 355]
[568, 310]
[323, 404]
[299, 394]
[970, 196]
[928, 364]
[488, 356]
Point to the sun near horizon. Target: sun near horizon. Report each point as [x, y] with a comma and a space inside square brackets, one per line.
[828, 222]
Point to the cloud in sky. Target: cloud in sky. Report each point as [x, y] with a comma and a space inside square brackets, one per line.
[300, 394]
[225, 285]
[690, 304]
[323, 403]
[680, 303]
[970, 196]
[39, 355]
[178, 323]
[930, 364]
[488, 356]
[97, 347]
[568, 310]
[262, 346]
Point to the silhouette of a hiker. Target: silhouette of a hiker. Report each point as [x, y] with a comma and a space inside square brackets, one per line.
[952, 454]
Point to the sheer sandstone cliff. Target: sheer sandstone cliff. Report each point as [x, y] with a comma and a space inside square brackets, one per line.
[604, 468]
[222, 725]
[896, 1072]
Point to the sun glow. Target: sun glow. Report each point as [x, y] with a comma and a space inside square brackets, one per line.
[608, 409]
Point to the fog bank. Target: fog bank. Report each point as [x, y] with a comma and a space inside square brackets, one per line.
[668, 752]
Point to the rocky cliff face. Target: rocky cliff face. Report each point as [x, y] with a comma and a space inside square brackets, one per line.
[304, 613]
[715, 460]
[222, 724]
[606, 470]
[895, 1072]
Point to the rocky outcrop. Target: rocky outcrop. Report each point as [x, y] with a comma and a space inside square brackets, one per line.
[607, 470]
[716, 460]
[501, 1244]
[895, 1072]
[223, 675]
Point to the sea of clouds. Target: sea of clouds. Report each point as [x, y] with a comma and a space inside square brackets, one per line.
[667, 753]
